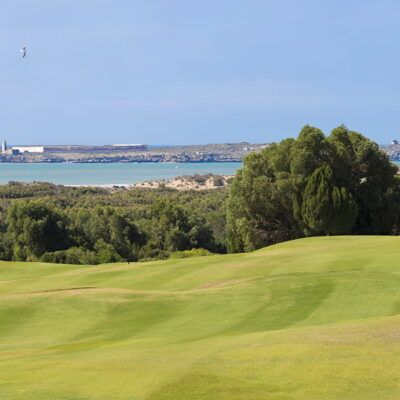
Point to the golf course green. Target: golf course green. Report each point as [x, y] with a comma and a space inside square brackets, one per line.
[315, 318]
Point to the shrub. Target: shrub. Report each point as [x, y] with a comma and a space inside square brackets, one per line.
[190, 253]
[74, 255]
[218, 181]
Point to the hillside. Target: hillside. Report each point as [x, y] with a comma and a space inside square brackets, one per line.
[315, 318]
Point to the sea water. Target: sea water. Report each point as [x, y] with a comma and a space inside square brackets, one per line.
[108, 173]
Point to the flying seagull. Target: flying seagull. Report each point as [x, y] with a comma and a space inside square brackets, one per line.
[23, 51]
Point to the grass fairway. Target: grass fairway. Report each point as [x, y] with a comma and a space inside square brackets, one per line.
[314, 318]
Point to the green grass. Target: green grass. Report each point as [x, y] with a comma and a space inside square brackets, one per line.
[314, 318]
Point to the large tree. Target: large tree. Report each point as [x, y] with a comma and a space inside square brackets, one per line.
[312, 185]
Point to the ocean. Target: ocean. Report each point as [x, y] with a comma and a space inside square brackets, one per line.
[107, 173]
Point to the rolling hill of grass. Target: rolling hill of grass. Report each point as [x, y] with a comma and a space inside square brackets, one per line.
[314, 318]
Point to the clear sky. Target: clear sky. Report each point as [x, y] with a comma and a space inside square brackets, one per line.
[186, 71]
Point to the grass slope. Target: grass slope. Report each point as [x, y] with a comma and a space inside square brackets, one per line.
[314, 318]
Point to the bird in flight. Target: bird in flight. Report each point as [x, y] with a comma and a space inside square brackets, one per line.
[24, 51]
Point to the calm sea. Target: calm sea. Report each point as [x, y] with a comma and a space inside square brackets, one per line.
[108, 174]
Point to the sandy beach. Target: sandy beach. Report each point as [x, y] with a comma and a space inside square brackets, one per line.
[186, 182]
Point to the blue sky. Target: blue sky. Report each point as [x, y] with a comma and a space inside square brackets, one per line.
[184, 71]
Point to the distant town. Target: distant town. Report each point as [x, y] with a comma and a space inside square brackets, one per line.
[125, 153]
[109, 153]
[224, 152]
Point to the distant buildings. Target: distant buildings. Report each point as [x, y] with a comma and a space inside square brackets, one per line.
[395, 141]
[6, 151]
[112, 148]
[15, 150]
[108, 148]
[29, 149]
[130, 146]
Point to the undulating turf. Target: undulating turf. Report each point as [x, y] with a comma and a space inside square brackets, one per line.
[310, 319]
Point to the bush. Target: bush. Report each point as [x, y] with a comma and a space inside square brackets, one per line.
[200, 179]
[147, 253]
[74, 255]
[106, 253]
[190, 253]
[218, 181]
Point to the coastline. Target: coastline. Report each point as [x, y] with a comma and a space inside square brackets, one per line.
[223, 152]
[185, 182]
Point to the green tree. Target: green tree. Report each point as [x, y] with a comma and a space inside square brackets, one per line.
[106, 253]
[35, 227]
[175, 228]
[260, 207]
[108, 225]
[327, 209]
[313, 185]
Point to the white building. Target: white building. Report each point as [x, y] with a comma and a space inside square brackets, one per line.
[29, 149]
[4, 147]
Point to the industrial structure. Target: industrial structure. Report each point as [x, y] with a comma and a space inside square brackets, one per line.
[28, 149]
[104, 149]
[108, 148]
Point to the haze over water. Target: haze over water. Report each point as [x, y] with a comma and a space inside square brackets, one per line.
[107, 174]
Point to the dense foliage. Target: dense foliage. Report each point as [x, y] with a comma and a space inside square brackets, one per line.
[313, 185]
[89, 226]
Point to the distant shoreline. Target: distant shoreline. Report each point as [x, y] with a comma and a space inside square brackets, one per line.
[185, 182]
[224, 152]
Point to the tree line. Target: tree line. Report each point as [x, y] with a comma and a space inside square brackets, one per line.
[44, 222]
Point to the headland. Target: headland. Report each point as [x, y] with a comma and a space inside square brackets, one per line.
[113, 153]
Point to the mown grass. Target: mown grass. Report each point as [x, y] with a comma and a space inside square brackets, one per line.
[310, 319]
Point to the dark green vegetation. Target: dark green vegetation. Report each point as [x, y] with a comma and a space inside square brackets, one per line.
[316, 318]
[90, 226]
[313, 185]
